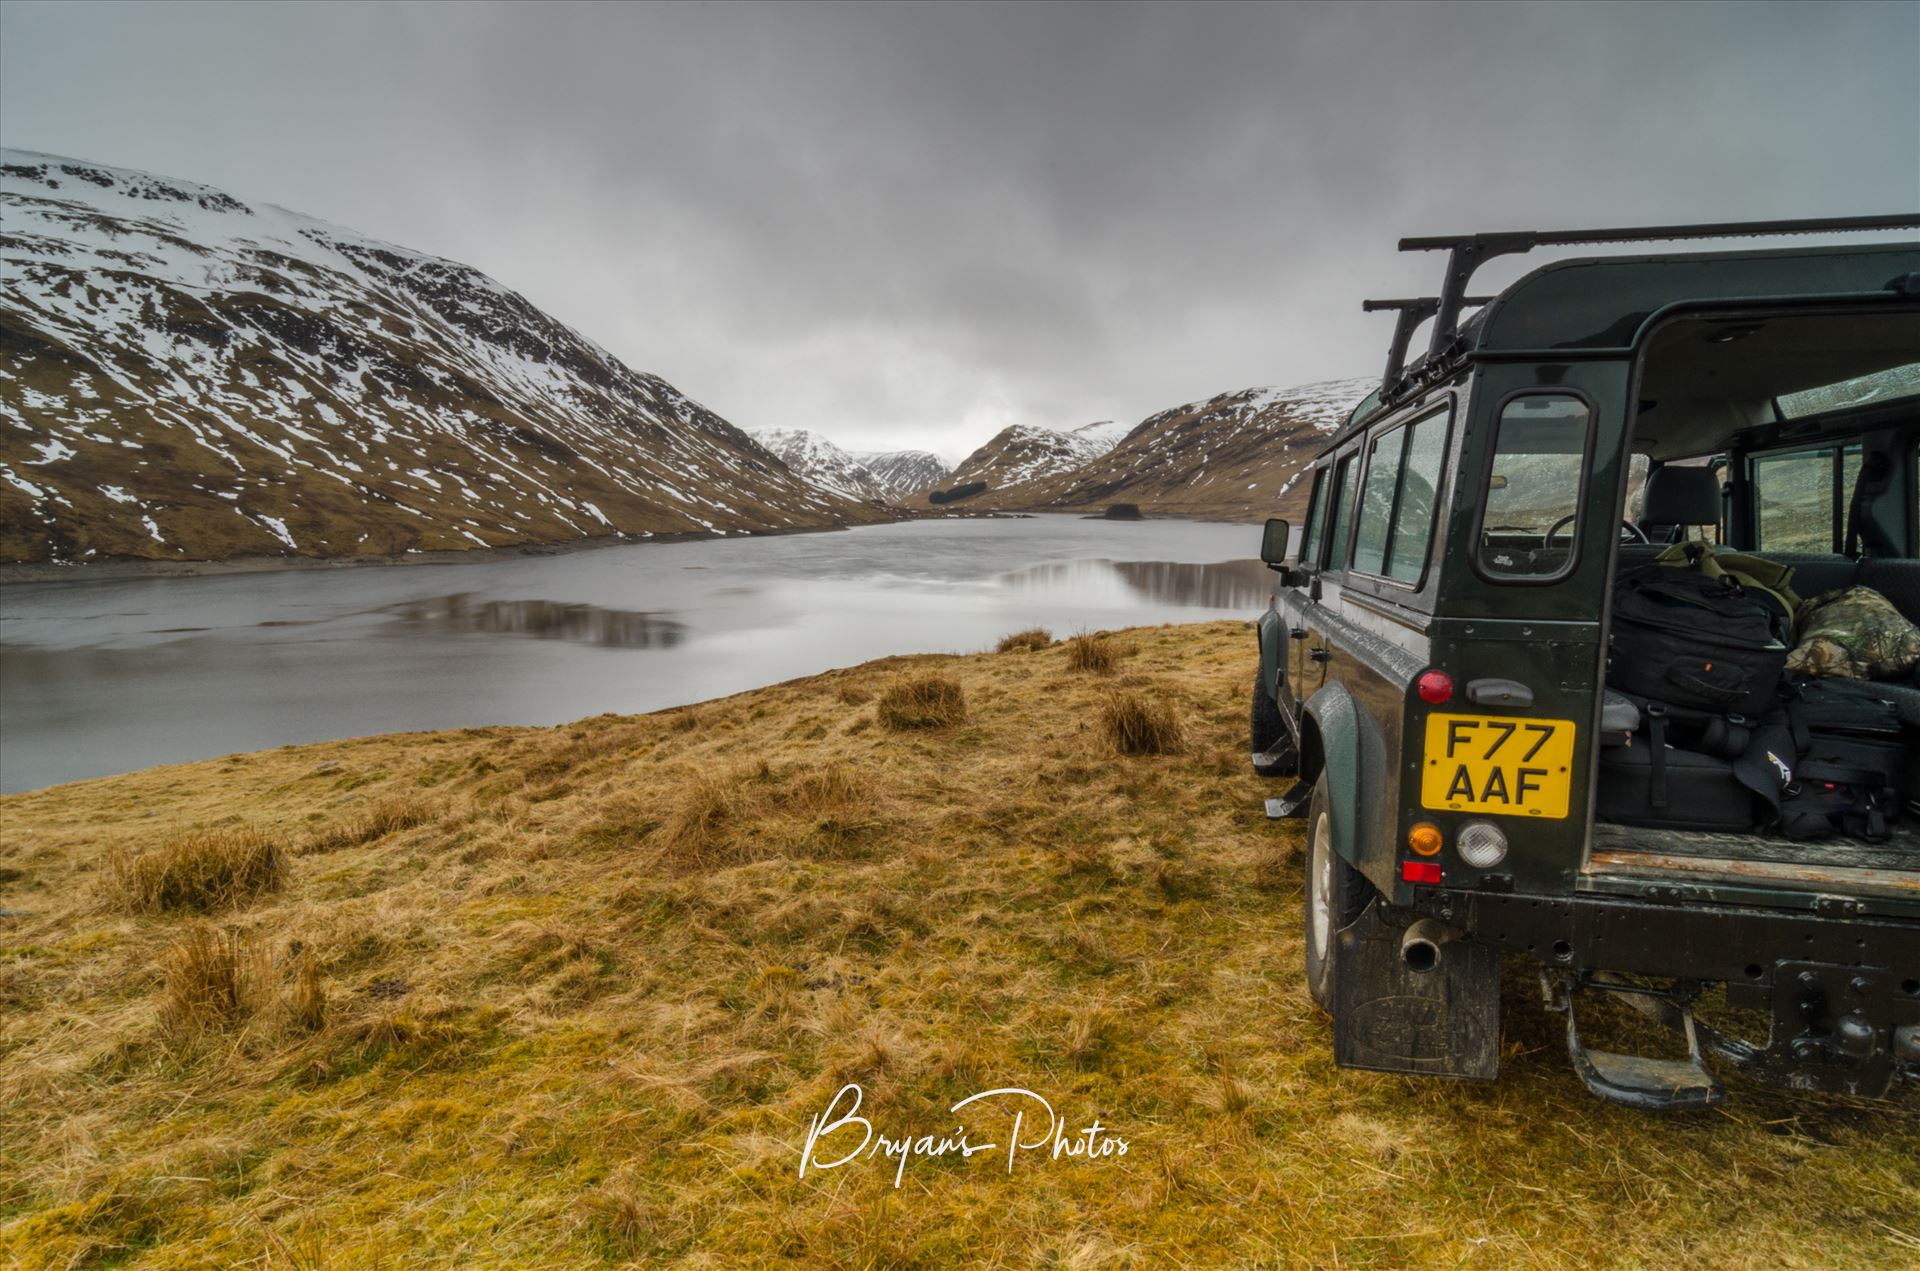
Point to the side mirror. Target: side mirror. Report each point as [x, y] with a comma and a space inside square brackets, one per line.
[1273, 543]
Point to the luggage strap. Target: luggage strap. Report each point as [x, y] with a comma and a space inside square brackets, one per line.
[1657, 755]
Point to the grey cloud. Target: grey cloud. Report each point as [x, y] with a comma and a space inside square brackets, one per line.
[911, 225]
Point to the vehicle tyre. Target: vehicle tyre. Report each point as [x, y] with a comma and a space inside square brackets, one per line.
[1337, 893]
[1268, 730]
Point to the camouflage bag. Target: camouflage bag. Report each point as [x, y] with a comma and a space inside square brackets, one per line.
[1857, 633]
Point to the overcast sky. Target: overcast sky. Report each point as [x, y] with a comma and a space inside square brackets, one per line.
[911, 226]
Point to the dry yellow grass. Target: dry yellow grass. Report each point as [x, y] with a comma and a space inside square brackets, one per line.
[197, 872]
[582, 1014]
[1137, 725]
[1031, 640]
[390, 817]
[924, 701]
[213, 981]
[1092, 651]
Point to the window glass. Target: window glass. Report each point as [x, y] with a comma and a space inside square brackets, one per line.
[1793, 501]
[1880, 386]
[1793, 498]
[1419, 488]
[1530, 518]
[1342, 513]
[1316, 511]
[1376, 502]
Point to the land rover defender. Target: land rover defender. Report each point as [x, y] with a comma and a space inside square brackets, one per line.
[1434, 662]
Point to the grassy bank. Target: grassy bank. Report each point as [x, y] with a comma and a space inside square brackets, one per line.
[547, 997]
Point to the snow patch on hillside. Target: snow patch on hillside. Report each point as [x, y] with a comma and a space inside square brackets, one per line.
[278, 358]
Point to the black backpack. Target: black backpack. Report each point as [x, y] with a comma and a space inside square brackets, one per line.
[1692, 641]
[1852, 760]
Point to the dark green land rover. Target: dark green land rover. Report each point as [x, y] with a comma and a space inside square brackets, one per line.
[1434, 662]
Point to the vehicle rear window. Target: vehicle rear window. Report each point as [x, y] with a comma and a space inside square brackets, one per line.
[1530, 516]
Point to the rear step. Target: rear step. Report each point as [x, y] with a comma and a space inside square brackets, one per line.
[1652, 1085]
[1292, 804]
[1279, 761]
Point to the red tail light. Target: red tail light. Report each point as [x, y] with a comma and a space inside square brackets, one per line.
[1434, 687]
[1420, 871]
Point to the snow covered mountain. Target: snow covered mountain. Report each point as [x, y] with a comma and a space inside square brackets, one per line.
[1236, 456]
[1106, 434]
[903, 472]
[184, 375]
[821, 462]
[1018, 456]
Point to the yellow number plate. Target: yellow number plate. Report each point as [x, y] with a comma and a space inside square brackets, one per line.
[1498, 763]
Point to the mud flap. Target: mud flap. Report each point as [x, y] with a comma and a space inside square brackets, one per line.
[1388, 1017]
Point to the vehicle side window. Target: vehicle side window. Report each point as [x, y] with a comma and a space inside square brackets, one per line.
[1310, 537]
[1796, 503]
[1413, 508]
[1530, 515]
[1341, 505]
[1376, 501]
[1397, 501]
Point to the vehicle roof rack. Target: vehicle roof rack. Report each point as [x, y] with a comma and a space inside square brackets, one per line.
[1412, 313]
[1466, 253]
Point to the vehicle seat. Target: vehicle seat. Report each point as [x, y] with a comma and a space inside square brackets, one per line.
[1896, 578]
[1816, 572]
[1677, 497]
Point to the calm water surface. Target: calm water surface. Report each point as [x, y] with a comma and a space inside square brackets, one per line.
[104, 677]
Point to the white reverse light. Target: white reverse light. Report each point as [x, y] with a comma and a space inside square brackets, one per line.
[1481, 844]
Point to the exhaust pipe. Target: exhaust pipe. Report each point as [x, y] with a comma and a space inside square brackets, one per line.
[1420, 946]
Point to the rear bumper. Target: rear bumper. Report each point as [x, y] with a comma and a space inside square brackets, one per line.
[1842, 991]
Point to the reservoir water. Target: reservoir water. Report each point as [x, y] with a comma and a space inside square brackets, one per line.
[98, 677]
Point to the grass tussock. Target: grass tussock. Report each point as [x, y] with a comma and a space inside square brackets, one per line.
[1031, 640]
[709, 806]
[307, 999]
[1093, 652]
[592, 1030]
[390, 816]
[1133, 724]
[215, 981]
[199, 872]
[926, 701]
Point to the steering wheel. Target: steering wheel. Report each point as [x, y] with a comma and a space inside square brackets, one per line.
[1633, 533]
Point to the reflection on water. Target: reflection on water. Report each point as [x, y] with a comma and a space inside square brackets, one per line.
[1238, 584]
[544, 620]
[103, 676]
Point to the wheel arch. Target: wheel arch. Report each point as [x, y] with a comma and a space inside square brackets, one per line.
[1330, 746]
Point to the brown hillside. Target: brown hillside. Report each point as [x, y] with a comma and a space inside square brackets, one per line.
[1232, 457]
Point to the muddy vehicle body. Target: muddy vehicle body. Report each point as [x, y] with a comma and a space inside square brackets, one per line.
[1433, 660]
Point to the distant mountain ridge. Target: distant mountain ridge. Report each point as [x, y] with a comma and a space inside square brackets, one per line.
[1020, 455]
[903, 472]
[1106, 434]
[819, 461]
[187, 375]
[886, 475]
[1235, 456]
